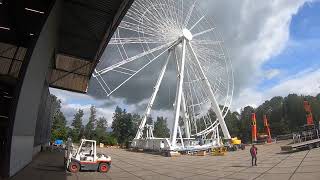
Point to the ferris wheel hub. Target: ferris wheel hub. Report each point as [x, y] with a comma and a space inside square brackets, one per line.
[187, 34]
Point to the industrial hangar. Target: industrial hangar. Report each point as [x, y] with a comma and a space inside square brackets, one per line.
[46, 43]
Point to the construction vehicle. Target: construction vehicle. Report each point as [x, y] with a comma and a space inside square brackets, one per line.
[307, 108]
[86, 158]
[233, 144]
[253, 128]
[218, 151]
[267, 128]
[264, 137]
[307, 137]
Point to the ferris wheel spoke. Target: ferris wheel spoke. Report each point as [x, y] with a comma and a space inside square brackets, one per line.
[99, 79]
[206, 42]
[195, 24]
[137, 30]
[138, 26]
[126, 69]
[122, 46]
[194, 89]
[135, 40]
[143, 67]
[208, 50]
[159, 24]
[146, 23]
[203, 32]
[186, 22]
[126, 73]
[131, 59]
[137, 19]
[152, 19]
[206, 53]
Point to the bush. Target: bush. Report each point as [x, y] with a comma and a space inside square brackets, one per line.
[109, 140]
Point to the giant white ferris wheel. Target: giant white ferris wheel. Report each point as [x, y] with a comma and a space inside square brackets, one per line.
[176, 32]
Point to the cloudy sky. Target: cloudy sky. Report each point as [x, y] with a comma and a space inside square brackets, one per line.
[274, 47]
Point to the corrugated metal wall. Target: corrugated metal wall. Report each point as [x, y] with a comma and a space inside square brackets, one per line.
[43, 126]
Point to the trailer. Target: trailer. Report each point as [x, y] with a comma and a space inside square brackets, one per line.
[308, 138]
[315, 143]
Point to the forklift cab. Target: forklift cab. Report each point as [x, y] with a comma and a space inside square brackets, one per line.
[86, 151]
[86, 158]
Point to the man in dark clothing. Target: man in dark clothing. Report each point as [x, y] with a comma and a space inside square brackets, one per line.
[254, 152]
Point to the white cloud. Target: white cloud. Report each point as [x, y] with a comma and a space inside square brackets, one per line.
[270, 74]
[306, 83]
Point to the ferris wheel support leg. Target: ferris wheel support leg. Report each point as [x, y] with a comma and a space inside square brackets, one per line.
[179, 95]
[153, 97]
[213, 100]
[185, 117]
[184, 108]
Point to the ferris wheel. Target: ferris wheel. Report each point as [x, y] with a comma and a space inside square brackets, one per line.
[176, 32]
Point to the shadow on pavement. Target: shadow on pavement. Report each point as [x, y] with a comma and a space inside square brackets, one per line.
[45, 166]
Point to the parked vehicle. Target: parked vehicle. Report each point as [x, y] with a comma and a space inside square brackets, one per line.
[86, 158]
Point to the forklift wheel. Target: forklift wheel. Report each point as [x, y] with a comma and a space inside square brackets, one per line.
[74, 167]
[104, 167]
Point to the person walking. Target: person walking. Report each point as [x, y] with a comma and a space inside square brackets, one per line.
[253, 152]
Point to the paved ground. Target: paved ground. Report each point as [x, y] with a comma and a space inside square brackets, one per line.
[235, 165]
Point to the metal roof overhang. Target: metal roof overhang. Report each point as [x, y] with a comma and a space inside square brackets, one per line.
[86, 27]
[85, 30]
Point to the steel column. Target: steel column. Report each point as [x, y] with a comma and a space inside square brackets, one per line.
[179, 95]
[153, 97]
[213, 100]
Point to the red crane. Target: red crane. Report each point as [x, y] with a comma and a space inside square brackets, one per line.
[267, 128]
[307, 108]
[253, 128]
[265, 137]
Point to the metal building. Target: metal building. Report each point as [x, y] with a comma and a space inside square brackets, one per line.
[46, 43]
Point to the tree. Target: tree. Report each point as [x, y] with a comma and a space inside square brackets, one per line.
[294, 111]
[101, 130]
[77, 131]
[122, 125]
[245, 123]
[136, 120]
[90, 126]
[233, 123]
[58, 128]
[161, 129]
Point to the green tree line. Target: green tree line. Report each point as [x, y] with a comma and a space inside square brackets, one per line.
[124, 126]
[96, 128]
[285, 115]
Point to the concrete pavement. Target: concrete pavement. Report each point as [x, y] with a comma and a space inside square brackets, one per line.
[272, 165]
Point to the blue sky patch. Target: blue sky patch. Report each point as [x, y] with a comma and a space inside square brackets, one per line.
[303, 50]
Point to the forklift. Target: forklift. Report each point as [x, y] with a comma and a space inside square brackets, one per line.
[86, 158]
